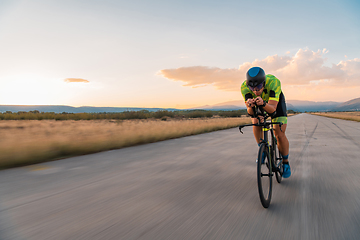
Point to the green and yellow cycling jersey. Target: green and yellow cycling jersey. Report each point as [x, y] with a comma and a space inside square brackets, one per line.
[272, 89]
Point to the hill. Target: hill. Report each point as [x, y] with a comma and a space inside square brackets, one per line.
[296, 105]
[230, 105]
[352, 105]
[309, 106]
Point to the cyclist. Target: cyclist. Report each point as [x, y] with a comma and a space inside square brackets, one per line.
[265, 91]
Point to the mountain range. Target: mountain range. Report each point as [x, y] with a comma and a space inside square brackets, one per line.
[296, 105]
[352, 105]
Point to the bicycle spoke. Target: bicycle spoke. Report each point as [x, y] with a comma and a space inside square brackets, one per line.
[266, 175]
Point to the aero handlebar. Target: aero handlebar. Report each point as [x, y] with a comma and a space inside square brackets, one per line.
[258, 113]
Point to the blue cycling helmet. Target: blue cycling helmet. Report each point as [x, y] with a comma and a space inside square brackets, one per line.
[255, 76]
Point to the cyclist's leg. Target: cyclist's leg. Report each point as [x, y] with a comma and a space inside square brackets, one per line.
[258, 133]
[283, 142]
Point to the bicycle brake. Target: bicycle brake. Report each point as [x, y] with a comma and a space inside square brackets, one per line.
[240, 130]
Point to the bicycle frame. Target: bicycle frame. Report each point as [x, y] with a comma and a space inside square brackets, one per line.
[271, 160]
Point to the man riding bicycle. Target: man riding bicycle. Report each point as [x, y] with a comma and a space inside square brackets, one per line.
[265, 91]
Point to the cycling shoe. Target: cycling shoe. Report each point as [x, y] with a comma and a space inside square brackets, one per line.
[287, 170]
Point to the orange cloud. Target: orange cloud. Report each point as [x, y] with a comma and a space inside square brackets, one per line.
[78, 80]
[306, 67]
[197, 76]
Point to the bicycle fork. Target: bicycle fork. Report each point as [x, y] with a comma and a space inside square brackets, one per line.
[268, 147]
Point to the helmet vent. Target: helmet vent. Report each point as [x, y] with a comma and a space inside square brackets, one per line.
[254, 71]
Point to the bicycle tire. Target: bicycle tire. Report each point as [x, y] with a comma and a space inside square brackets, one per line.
[264, 176]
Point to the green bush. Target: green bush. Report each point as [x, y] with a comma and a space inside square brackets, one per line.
[163, 113]
[235, 113]
[199, 114]
[143, 114]
[134, 115]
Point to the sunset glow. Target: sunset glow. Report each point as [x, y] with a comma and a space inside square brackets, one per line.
[26, 89]
[174, 55]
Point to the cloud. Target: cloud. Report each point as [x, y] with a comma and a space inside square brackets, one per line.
[352, 68]
[197, 76]
[306, 67]
[76, 80]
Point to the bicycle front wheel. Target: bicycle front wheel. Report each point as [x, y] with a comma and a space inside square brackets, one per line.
[264, 176]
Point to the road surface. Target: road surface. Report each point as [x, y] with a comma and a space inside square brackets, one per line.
[197, 187]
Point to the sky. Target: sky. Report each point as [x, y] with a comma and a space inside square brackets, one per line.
[175, 54]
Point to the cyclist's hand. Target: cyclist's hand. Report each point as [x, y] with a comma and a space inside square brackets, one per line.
[259, 101]
[261, 119]
[250, 102]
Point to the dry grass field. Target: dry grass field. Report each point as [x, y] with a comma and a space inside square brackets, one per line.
[26, 142]
[354, 116]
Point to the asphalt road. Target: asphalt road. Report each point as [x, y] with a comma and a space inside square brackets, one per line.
[198, 187]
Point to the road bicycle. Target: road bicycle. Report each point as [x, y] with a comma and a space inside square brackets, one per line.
[269, 158]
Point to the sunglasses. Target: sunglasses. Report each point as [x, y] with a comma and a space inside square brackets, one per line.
[257, 88]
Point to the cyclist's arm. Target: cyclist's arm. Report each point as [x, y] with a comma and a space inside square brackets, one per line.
[274, 95]
[271, 106]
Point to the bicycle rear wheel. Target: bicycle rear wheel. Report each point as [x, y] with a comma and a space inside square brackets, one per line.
[278, 163]
[264, 176]
[277, 160]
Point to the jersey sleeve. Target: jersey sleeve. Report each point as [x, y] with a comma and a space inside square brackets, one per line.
[245, 91]
[274, 87]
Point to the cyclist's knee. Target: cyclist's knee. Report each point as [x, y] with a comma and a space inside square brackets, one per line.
[280, 135]
[280, 131]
